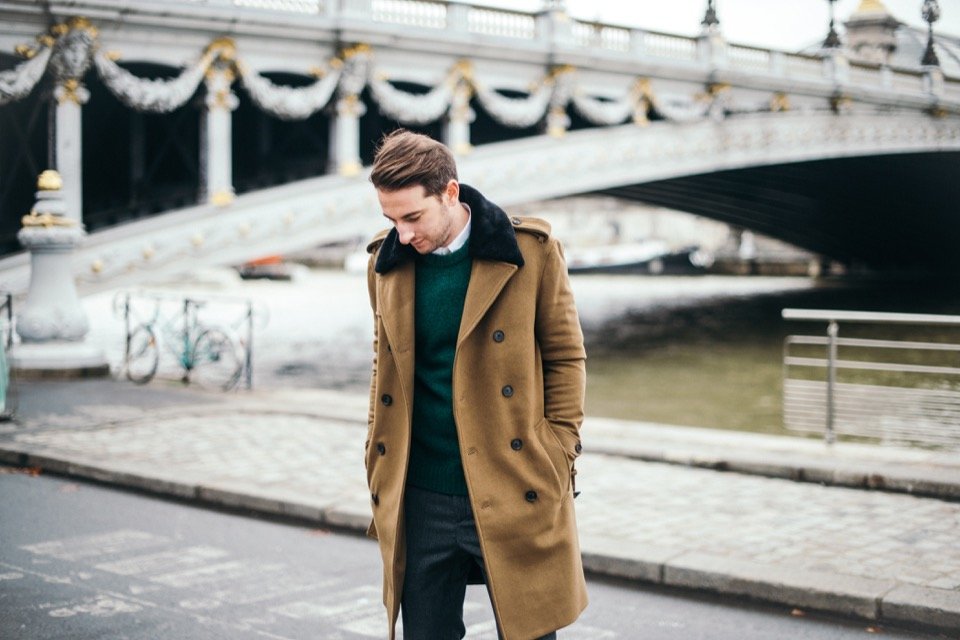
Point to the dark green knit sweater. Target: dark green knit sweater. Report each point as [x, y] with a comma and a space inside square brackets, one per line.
[441, 287]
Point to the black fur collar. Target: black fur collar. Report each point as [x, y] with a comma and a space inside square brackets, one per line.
[491, 235]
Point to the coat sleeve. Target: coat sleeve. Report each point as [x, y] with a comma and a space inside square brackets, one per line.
[372, 292]
[561, 348]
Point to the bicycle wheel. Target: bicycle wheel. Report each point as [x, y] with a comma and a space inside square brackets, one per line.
[216, 361]
[142, 355]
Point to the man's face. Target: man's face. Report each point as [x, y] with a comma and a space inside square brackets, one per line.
[424, 222]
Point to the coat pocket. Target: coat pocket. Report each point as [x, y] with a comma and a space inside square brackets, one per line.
[558, 457]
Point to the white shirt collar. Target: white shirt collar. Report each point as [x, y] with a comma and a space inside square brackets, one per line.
[461, 238]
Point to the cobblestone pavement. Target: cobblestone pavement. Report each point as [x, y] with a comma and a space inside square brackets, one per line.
[310, 466]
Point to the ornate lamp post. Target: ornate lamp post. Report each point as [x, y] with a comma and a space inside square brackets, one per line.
[931, 13]
[832, 41]
[710, 20]
[52, 323]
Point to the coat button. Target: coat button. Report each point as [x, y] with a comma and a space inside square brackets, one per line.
[381, 448]
[498, 336]
[507, 391]
[376, 498]
[578, 448]
[531, 496]
[386, 399]
[516, 444]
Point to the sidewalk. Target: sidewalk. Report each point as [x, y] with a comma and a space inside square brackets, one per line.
[878, 555]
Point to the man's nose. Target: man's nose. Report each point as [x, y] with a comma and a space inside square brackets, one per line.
[405, 233]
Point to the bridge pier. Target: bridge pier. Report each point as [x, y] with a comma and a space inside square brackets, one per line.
[52, 324]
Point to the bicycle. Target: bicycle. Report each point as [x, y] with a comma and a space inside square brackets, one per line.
[207, 355]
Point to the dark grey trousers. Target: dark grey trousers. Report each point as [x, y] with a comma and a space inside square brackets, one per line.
[442, 548]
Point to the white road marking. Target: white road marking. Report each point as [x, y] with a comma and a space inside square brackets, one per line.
[99, 545]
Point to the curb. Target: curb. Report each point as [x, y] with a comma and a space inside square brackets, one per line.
[942, 485]
[883, 601]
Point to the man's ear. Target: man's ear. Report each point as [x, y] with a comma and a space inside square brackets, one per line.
[452, 192]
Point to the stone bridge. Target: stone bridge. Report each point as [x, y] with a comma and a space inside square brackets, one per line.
[193, 132]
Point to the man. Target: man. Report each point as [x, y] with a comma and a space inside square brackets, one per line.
[476, 401]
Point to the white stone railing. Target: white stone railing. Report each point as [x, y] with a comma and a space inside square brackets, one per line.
[587, 34]
[749, 58]
[951, 89]
[291, 6]
[413, 13]
[866, 75]
[908, 81]
[799, 66]
[666, 45]
[503, 24]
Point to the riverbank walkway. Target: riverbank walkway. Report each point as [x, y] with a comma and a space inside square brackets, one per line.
[858, 530]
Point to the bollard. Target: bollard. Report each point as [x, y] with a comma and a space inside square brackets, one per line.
[52, 323]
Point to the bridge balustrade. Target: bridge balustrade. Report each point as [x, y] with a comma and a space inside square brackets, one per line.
[666, 45]
[414, 13]
[908, 81]
[866, 75]
[601, 36]
[292, 6]
[749, 58]
[503, 24]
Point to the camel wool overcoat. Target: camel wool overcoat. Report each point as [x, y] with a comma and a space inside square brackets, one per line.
[518, 390]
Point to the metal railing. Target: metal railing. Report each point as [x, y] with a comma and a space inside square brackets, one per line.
[7, 397]
[208, 341]
[900, 387]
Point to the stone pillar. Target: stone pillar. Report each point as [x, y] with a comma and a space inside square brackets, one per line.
[933, 81]
[216, 130]
[554, 25]
[70, 62]
[456, 127]
[712, 49]
[711, 46]
[52, 324]
[348, 108]
[68, 150]
[345, 136]
[836, 67]
[557, 119]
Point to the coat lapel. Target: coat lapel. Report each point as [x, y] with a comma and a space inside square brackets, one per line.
[487, 279]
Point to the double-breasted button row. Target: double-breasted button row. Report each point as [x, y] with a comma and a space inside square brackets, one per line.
[381, 448]
[386, 399]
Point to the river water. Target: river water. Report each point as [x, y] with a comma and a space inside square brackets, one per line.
[683, 350]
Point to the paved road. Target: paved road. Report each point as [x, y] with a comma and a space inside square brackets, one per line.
[83, 561]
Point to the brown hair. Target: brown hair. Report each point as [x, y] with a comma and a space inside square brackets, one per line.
[406, 159]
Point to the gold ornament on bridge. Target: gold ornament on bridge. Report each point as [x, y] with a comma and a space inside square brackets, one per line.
[871, 6]
[225, 48]
[25, 51]
[355, 50]
[49, 180]
[779, 102]
[71, 86]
